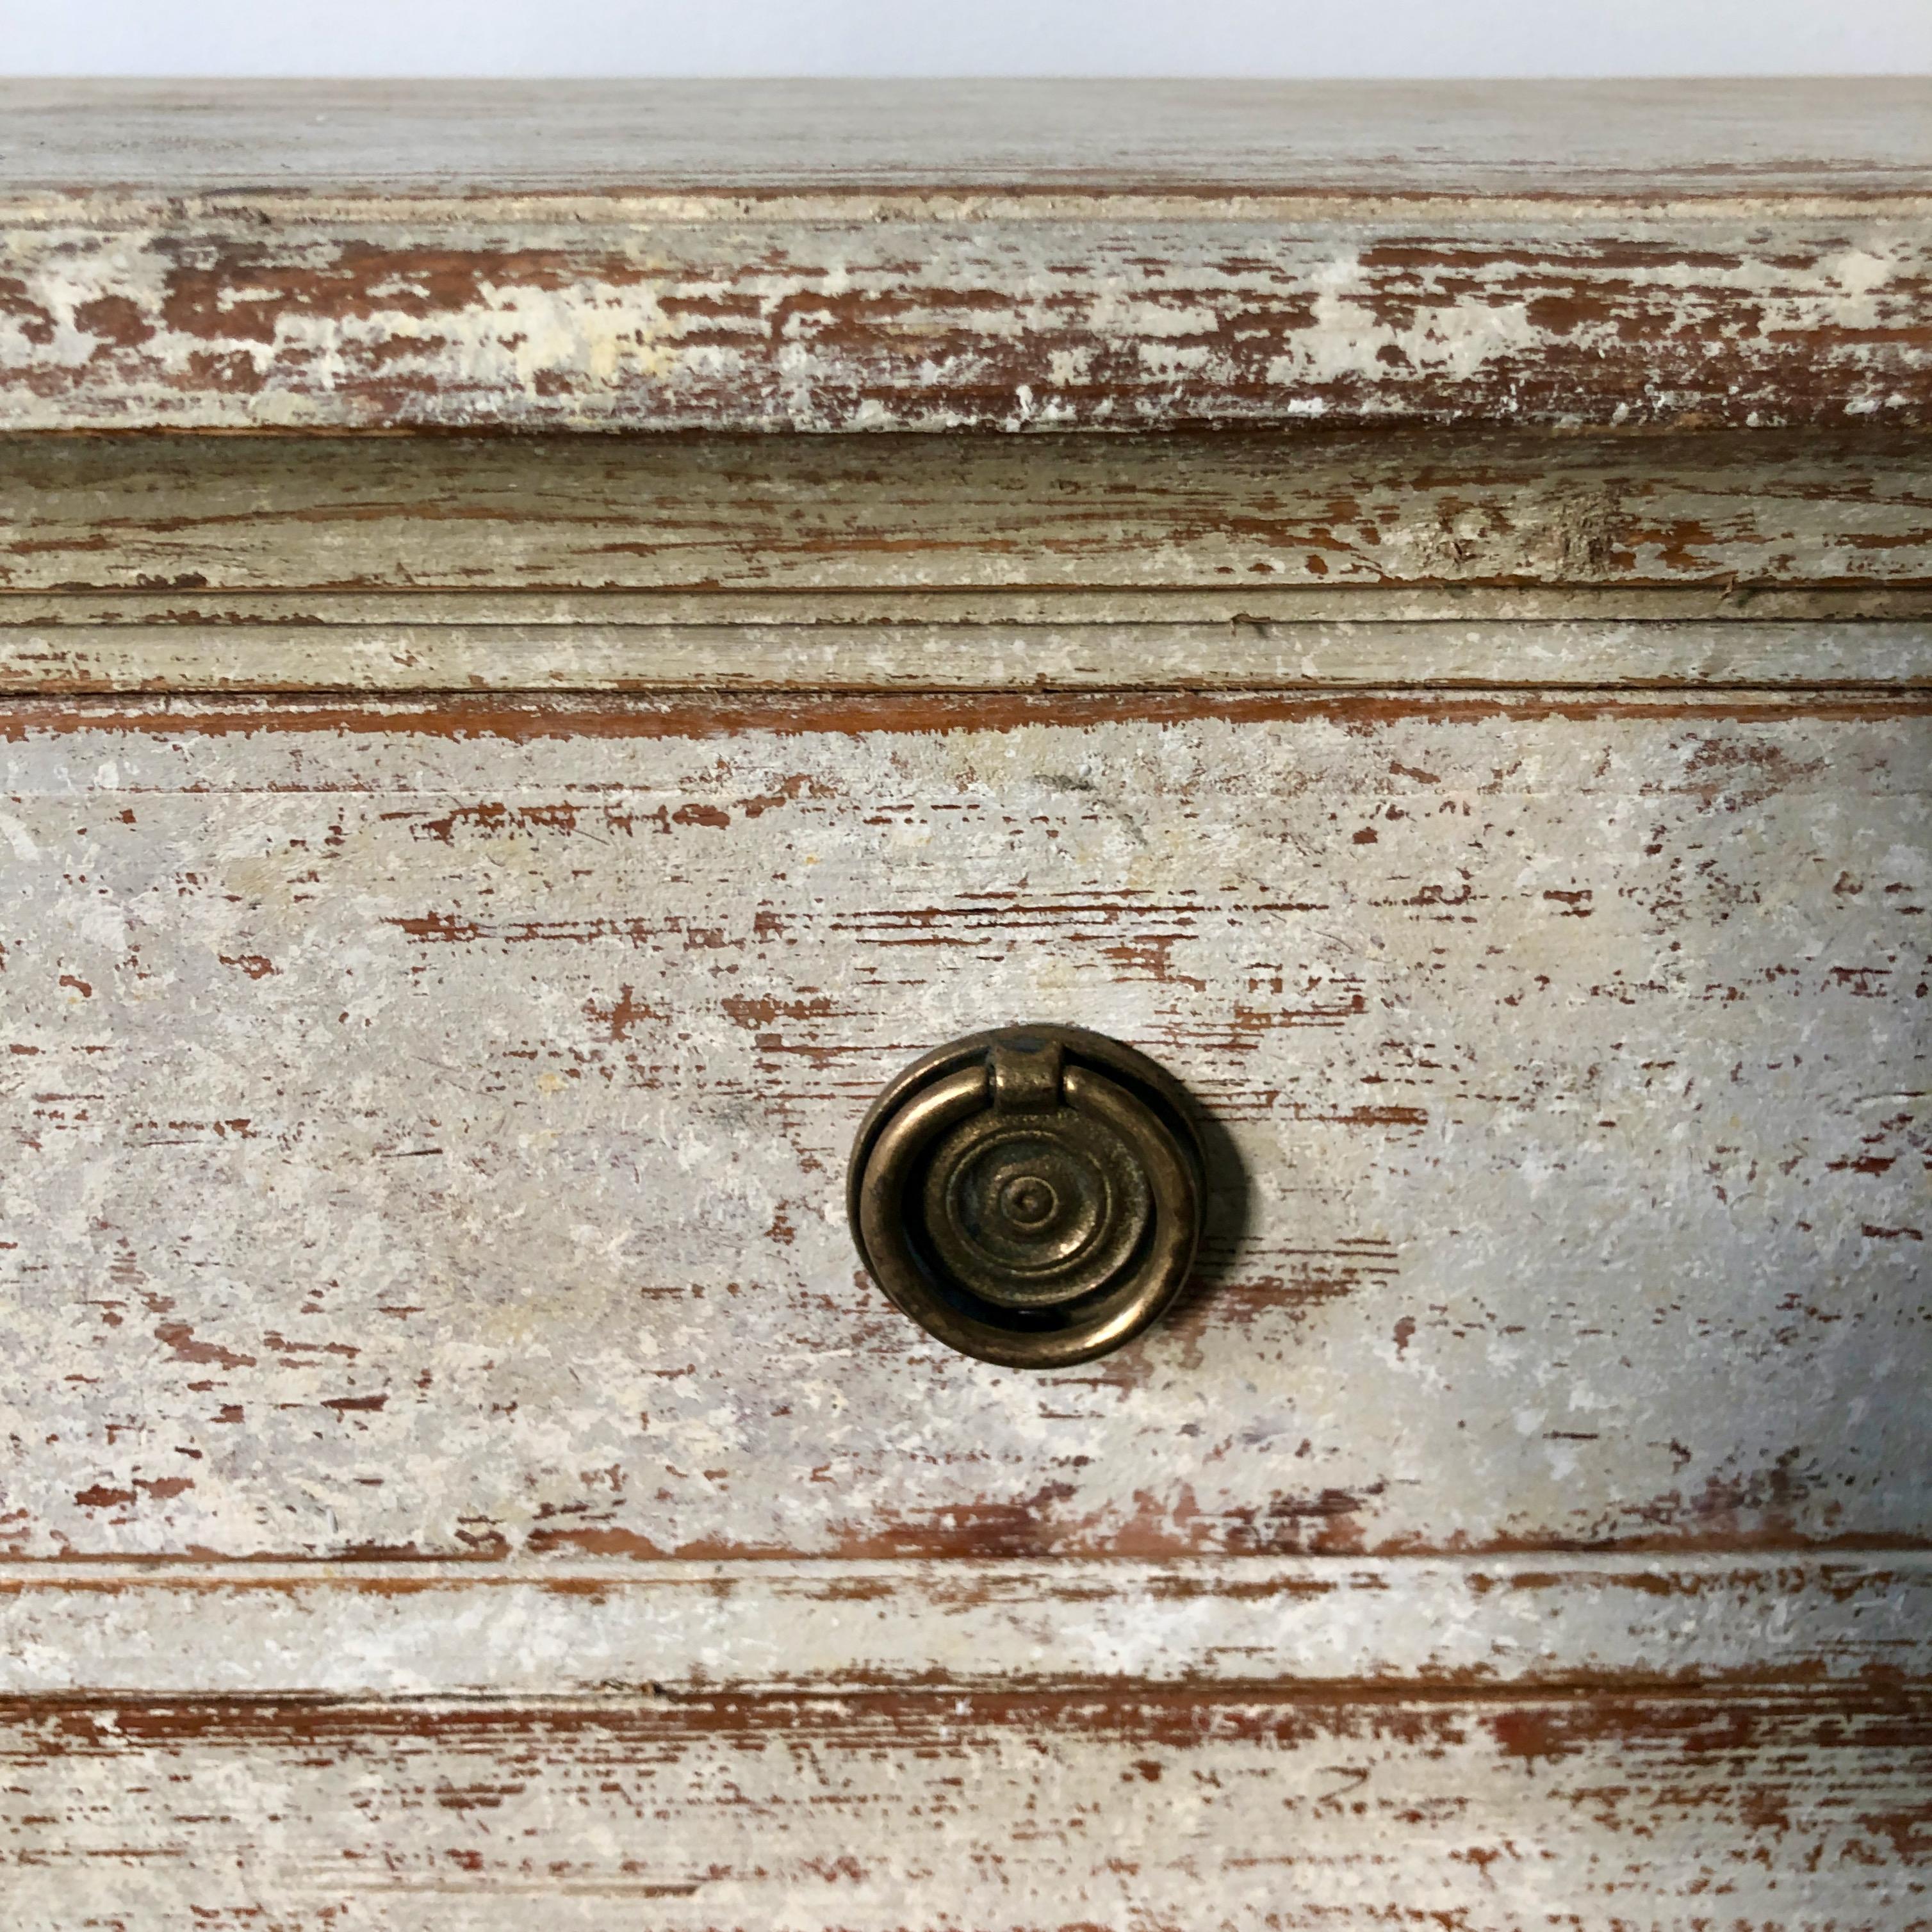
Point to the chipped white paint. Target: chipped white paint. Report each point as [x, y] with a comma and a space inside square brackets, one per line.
[578, 1629]
[1159, 1814]
[431, 1139]
[932, 313]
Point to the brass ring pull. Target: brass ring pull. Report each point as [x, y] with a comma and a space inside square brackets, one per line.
[1031, 1197]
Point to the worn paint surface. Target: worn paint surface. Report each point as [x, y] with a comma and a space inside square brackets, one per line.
[1250, 655]
[428, 1127]
[1485, 558]
[1160, 1813]
[1322, 509]
[943, 312]
[422, 1124]
[590, 1628]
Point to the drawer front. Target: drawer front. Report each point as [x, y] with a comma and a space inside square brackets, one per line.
[460, 1100]
[455, 1455]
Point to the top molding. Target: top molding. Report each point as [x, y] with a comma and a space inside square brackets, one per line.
[472, 138]
[927, 256]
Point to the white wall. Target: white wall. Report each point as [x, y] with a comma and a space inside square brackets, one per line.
[1257, 38]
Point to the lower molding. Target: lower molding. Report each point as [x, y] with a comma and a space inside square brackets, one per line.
[1117, 1810]
[430, 1630]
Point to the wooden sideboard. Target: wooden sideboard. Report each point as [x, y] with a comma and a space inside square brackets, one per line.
[552, 639]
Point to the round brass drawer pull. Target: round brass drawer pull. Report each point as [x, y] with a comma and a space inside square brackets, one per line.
[1031, 1196]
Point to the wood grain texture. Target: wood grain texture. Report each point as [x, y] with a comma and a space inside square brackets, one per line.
[795, 519]
[1486, 558]
[1091, 293]
[428, 1124]
[1144, 1812]
[589, 1628]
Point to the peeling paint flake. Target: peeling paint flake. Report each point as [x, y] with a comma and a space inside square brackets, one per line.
[874, 1810]
[913, 317]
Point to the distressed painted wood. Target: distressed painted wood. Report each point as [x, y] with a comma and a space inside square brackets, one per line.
[428, 1124]
[259, 564]
[931, 315]
[1433, 604]
[1160, 1813]
[777, 295]
[1476, 508]
[586, 1628]
[452, 1466]
[1251, 655]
